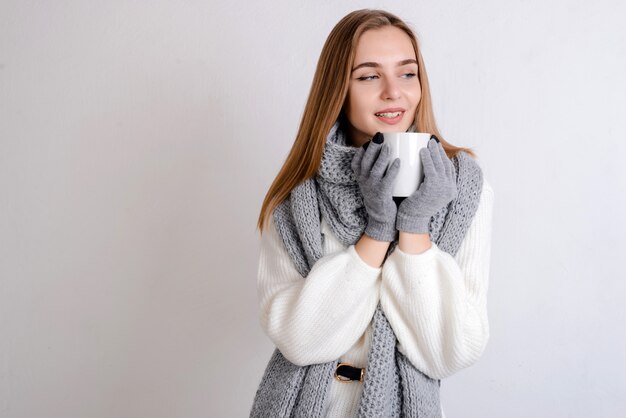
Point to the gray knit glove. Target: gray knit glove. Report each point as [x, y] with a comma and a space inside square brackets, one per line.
[436, 191]
[369, 165]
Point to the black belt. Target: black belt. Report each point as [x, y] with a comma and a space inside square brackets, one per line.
[346, 373]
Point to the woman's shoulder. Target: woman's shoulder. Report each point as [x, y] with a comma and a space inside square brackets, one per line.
[269, 233]
[487, 188]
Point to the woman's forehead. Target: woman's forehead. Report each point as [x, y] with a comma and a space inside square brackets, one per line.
[384, 45]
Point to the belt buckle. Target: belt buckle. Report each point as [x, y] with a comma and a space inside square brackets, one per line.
[344, 379]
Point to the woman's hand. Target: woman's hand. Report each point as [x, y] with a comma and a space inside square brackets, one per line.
[436, 191]
[369, 165]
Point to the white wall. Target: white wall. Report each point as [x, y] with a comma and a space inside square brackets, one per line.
[137, 140]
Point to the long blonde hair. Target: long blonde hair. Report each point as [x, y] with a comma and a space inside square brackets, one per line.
[326, 99]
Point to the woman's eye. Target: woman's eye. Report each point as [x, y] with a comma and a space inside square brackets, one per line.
[367, 77]
[372, 77]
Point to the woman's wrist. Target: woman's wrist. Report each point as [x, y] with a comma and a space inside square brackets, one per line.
[411, 243]
[372, 251]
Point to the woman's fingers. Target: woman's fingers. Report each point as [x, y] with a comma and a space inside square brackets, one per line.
[392, 172]
[382, 162]
[370, 157]
[447, 164]
[433, 147]
[427, 163]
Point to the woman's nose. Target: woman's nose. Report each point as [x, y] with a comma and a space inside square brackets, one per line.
[390, 89]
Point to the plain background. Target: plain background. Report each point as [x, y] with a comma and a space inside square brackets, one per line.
[138, 139]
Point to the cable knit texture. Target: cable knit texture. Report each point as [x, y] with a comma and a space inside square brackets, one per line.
[341, 306]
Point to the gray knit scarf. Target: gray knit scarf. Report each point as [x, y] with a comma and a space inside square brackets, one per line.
[392, 387]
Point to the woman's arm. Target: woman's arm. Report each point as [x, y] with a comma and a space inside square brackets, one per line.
[317, 319]
[437, 304]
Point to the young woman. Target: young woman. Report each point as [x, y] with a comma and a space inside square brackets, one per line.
[370, 301]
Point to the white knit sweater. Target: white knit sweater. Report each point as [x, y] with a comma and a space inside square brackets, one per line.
[436, 304]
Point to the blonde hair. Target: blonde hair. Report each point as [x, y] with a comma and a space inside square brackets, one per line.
[327, 97]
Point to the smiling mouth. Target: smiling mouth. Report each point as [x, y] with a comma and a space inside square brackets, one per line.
[389, 115]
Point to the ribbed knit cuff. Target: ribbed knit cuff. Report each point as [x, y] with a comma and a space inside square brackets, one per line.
[380, 231]
[413, 224]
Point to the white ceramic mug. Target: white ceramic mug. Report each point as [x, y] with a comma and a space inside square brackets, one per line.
[406, 146]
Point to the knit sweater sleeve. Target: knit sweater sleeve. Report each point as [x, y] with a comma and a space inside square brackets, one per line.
[317, 319]
[437, 304]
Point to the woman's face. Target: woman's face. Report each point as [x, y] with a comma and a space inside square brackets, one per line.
[384, 89]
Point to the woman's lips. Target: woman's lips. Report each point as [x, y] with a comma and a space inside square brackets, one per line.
[390, 121]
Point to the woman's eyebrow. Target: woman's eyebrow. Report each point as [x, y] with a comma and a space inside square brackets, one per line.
[377, 65]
